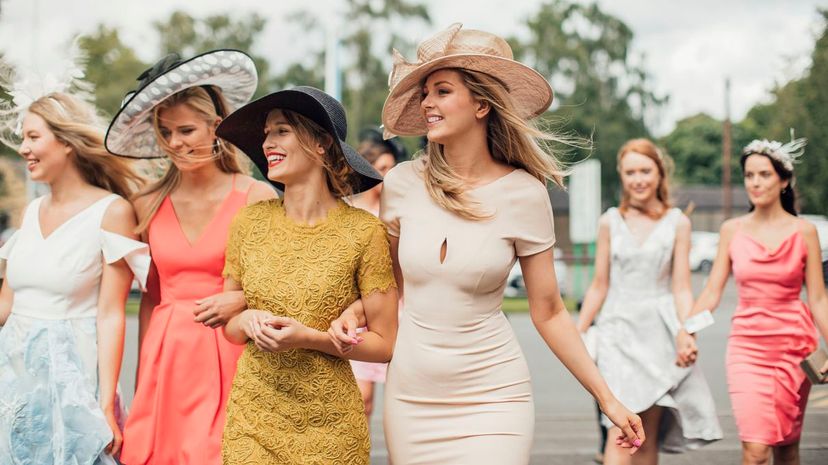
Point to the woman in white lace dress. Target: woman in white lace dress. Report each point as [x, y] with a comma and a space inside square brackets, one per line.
[642, 287]
[69, 269]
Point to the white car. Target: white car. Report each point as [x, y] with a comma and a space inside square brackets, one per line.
[703, 248]
[821, 223]
[514, 283]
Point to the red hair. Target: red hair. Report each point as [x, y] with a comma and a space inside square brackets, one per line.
[647, 148]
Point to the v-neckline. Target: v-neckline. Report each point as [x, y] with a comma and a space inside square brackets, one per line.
[65, 222]
[764, 247]
[649, 234]
[207, 226]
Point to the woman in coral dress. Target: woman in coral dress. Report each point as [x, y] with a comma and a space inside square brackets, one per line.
[185, 365]
[771, 253]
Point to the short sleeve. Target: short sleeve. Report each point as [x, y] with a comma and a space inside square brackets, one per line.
[375, 272]
[391, 200]
[235, 239]
[5, 251]
[135, 253]
[533, 217]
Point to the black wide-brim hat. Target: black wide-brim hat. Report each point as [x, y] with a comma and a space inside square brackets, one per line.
[244, 128]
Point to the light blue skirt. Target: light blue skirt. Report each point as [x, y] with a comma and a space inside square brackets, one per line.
[49, 409]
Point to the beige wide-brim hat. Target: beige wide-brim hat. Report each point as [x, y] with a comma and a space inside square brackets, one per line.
[466, 49]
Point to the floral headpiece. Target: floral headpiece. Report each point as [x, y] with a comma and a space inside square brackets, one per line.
[26, 87]
[787, 154]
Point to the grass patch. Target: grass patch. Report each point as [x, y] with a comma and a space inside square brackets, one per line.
[521, 304]
[132, 305]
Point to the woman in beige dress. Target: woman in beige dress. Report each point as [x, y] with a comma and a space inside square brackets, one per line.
[458, 387]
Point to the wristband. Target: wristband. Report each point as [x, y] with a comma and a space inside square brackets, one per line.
[698, 322]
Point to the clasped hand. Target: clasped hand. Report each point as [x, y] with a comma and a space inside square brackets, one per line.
[273, 333]
[686, 349]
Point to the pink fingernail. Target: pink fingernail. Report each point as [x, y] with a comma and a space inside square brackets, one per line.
[637, 443]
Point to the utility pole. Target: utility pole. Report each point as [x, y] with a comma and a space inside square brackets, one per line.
[727, 191]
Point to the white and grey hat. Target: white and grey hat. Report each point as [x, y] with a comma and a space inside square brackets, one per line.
[131, 134]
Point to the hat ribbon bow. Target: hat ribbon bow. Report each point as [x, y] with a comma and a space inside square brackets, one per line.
[430, 49]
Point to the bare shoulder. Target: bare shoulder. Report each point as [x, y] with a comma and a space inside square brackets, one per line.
[120, 217]
[258, 191]
[683, 222]
[806, 228]
[730, 226]
[143, 203]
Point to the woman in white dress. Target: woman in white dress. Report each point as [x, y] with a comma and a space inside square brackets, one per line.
[69, 269]
[642, 287]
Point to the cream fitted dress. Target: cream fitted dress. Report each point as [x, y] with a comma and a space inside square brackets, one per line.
[458, 387]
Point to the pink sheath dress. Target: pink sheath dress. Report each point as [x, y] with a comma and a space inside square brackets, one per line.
[772, 331]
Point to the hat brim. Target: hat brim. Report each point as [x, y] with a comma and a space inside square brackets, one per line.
[244, 128]
[530, 92]
[131, 133]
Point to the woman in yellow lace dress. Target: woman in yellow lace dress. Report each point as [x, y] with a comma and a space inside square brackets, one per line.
[300, 261]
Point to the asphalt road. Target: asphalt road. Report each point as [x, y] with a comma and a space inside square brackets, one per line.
[566, 430]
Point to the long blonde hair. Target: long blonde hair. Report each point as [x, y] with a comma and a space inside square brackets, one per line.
[75, 123]
[511, 140]
[225, 155]
[647, 148]
[338, 174]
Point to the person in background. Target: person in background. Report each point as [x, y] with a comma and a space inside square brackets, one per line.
[771, 253]
[642, 288]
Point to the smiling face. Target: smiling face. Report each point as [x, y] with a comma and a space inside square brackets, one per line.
[188, 137]
[640, 177]
[46, 156]
[762, 182]
[449, 107]
[288, 160]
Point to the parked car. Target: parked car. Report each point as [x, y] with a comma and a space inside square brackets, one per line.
[515, 286]
[821, 224]
[703, 248]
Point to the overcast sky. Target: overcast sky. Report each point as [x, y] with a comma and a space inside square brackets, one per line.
[689, 47]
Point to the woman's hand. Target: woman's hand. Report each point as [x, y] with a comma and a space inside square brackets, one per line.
[278, 333]
[686, 349]
[343, 330]
[114, 446]
[215, 311]
[632, 431]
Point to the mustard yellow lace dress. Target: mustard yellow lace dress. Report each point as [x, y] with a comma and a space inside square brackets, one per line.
[301, 406]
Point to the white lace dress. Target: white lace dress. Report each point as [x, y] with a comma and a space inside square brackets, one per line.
[636, 331]
[49, 406]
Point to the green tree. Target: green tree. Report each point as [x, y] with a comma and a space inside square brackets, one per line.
[802, 104]
[368, 33]
[112, 67]
[188, 36]
[601, 92]
[696, 148]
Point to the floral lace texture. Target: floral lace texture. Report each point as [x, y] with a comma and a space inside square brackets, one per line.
[301, 406]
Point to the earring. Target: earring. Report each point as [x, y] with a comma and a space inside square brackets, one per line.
[784, 189]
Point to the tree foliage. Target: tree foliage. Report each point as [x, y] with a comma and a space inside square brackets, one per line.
[601, 91]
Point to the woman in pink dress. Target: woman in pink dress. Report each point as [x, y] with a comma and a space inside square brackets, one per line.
[771, 253]
[185, 364]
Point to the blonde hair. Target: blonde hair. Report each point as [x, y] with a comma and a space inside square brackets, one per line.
[75, 123]
[225, 155]
[511, 140]
[647, 148]
[338, 174]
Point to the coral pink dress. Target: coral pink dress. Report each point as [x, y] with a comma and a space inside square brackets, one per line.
[772, 331]
[186, 369]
